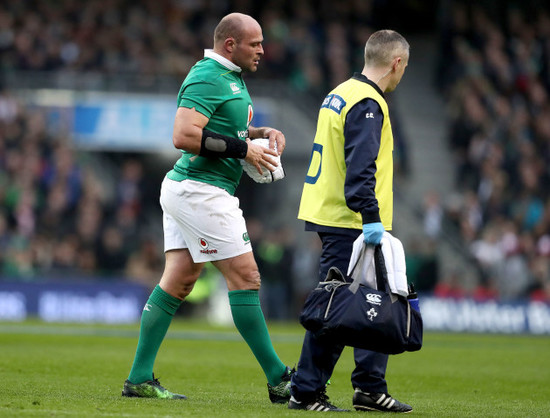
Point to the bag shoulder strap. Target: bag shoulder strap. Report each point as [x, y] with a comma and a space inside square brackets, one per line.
[368, 253]
[381, 271]
[365, 258]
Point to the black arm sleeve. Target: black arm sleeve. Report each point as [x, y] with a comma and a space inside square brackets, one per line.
[362, 133]
[215, 145]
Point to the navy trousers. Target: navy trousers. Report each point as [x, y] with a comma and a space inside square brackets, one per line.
[317, 360]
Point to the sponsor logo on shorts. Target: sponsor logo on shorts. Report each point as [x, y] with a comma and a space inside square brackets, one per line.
[209, 251]
[204, 245]
[246, 238]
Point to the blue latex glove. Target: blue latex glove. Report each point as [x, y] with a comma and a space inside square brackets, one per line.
[372, 233]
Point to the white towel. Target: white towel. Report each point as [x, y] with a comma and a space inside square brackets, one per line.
[399, 265]
[394, 255]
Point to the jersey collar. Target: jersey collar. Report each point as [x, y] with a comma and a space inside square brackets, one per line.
[361, 77]
[209, 53]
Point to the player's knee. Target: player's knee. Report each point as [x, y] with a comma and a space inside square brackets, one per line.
[178, 290]
[184, 290]
[252, 279]
[178, 286]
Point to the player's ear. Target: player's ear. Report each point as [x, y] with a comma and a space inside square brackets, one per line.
[396, 62]
[229, 44]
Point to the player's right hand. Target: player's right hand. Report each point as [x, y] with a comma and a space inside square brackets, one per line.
[373, 232]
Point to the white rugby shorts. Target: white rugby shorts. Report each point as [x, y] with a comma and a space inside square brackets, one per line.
[203, 218]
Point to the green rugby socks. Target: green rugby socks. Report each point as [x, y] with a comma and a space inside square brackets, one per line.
[247, 316]
[155, 320]
[249, 320]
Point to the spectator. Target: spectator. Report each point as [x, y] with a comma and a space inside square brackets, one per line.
[433, 215]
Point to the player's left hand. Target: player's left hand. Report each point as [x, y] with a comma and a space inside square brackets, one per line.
[276, 137]
[259, 156]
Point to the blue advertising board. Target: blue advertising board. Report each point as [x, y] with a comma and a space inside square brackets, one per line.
[122, 302]
[137, 122]
[89, 302]
[119, 122]
[467, 315]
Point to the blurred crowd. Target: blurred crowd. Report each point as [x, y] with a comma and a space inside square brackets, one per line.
[66, 213]
[313, 44]
[494, 73]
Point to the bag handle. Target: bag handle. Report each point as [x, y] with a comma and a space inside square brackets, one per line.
[366, 256]
[368, 253]
[381, 271]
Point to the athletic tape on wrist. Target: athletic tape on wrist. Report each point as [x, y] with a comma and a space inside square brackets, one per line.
[215, 145]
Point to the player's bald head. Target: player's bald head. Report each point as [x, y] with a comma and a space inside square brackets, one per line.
[234, 25]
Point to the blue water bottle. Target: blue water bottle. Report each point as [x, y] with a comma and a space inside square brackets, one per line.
[413, 298]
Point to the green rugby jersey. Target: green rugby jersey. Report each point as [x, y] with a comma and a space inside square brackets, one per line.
[215, 88]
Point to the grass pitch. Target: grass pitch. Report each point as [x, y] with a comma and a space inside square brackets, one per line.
[65, 370]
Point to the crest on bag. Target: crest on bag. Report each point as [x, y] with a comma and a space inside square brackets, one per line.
[371, 313]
